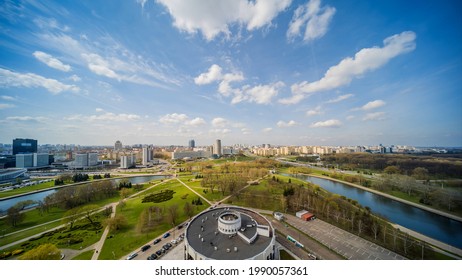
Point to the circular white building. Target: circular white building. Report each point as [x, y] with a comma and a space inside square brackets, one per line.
[229, 233]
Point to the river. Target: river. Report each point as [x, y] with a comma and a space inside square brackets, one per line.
[39, 196]
[427, 223]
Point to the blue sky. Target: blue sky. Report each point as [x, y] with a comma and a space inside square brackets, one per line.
[251, 72]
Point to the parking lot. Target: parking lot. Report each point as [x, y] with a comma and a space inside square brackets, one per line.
[160, 247]
[344, 243]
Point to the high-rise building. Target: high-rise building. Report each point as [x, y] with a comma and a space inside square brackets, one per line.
[146, 156]
[192, 144]
[118, 145]
[127, 161]
[217, 148]
[24, 146]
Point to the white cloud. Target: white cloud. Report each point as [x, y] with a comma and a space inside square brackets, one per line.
[246, 131]
[349, 118]
[365, 60]
[27, 119]
[220, 131]
[51, 61]
[5, 106]
[340, 98]
[99, 110]
[377, 116]
[109, 58]
[196, 122]
[314, 112]
[114, 117]
[328, 123]
[13, 79]
[214, 74]
[260, 94]
[173, 118]
[75, 78]
[315, 17]
[267, 129]
[286, 124]
[373, 105]
[219, 122]
[7, 97]
[212, 17]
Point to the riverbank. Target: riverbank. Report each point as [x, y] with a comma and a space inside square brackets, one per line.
[122, 176]
[423, 207]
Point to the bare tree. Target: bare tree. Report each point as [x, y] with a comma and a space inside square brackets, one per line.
[14, 216]
[172, 214]
[188, 209]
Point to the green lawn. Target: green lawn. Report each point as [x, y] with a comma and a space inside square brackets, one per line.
[129, 239]
[27, 189]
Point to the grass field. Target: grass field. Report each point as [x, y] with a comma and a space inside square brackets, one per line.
[129, 239]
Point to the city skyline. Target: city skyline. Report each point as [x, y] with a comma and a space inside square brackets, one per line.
[251, 72]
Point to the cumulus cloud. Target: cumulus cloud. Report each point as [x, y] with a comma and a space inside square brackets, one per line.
[75, 78]
[313, 17]
[328, 123]
[340, 98]
[219, 122]
[260, 94]
[212, 17]
[367, 59]
[173, 118]
[51, 61]
[14, 79]
[286, 124]
[373, 105]
[181, 119]
[267, 129]
[212, 75]
[314, 112]
[377, 116]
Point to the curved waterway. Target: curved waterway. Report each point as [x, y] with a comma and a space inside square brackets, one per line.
[39, 196]
[427, 223]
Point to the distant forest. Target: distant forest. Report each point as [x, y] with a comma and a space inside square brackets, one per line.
[437, 165]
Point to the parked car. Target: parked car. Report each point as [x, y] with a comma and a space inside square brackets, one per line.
[168, 244]
[156, 241]
[159, 252]
[132, 256]
[179, 227]
[174, 241]
[154, 256]
[145, 247]
[167, 234]
[149, 258]
[165, 247]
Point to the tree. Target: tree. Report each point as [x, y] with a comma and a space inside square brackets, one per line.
[124, 192]
[116, 223]
[21, 205]
[14, 216]
[420, 173]
[172, 214]
[71, 216]
[392, 169]
[188, 209]
[87, 212]
[43, 252]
